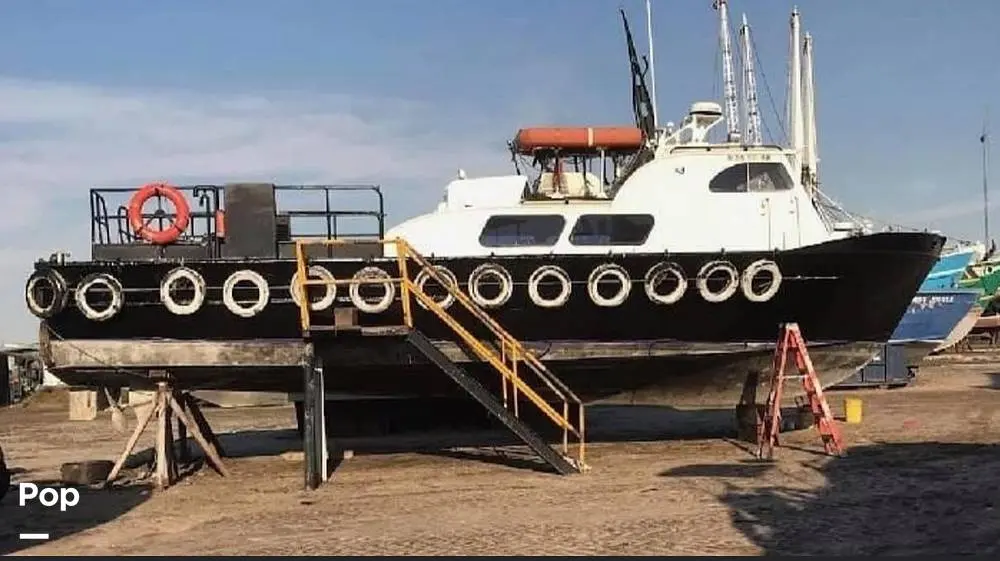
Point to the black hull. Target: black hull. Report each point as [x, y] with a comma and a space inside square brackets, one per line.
[714, 376]
[846, 294]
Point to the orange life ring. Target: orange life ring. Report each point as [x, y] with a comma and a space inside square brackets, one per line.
[177, 225]
[220, 224]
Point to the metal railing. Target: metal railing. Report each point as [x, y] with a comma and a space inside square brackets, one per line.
[511, 359]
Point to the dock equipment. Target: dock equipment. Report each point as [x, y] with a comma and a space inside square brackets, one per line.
[790, 341]
[523, 377]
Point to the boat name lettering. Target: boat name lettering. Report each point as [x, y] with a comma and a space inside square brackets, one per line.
[749, 157]
[932, 301]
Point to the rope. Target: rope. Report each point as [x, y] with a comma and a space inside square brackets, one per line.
[112, 367]
[770, 97]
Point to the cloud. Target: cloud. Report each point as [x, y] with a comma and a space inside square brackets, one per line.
[961, 219]
[949, 211]
[57, 140]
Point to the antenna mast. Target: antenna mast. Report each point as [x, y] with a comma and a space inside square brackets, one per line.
[652, 67]
[795, 91]
[809, 155]
[729, 80]
[984, 139]
[752, 112]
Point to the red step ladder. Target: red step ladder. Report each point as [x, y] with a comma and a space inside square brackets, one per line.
[790, 341]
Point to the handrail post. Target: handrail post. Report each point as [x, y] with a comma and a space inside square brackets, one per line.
[402, 255]
[300, 285]
[565, 430]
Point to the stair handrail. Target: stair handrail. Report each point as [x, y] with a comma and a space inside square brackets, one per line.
[460, 296]
[405, 251]
[492, 357]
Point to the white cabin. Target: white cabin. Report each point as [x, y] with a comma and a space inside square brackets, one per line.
[691, 196]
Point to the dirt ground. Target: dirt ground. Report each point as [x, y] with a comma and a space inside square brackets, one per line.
[921, 477]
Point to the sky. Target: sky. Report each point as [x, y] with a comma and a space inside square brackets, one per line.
[403, 93]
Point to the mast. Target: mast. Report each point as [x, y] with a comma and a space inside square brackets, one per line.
[751, 109]
[809, 156]
[652, 67]
[795, 91]
[984, 139]
[729, 81]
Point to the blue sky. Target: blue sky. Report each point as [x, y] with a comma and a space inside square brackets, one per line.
[404, 92]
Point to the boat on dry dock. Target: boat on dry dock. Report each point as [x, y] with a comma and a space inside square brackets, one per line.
[640, 263]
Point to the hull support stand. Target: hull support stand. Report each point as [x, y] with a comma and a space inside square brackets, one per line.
[314, 421]
[169, 404]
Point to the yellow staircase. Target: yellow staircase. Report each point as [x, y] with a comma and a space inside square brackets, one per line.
[521, 372]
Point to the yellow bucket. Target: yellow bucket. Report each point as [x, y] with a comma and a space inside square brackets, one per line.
[852, 410]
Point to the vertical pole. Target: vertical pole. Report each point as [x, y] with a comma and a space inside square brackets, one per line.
[6, 397]
[163, 438]
[315, 431]
[321, 444]
[984, 139]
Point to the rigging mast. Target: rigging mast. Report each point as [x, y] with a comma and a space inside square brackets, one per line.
[754, 136]
[984, 139]
[728, 77]
[795, 93]
[810, 171]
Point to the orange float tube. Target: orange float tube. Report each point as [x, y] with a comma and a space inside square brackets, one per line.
[177, 226]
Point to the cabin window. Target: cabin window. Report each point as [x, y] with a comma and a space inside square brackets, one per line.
[611, 229]
[759, 177]
[529, 229]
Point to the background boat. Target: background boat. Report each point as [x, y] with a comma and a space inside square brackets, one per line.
[951, 268]
[962, 328]
[985, 276]
[931, 319]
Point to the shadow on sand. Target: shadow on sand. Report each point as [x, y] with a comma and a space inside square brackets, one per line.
[96, 506]
[469, 434]
[475, 436]
[994, 383]
[882, 499]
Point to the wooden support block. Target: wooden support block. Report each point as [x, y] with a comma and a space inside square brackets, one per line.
[210, 450]
[161, 475]
[164, 407]
[147, 416]
[83, 404]
[85, 473]
[201, 422]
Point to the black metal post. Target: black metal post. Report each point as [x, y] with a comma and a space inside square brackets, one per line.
[6, 395]
[314, 433]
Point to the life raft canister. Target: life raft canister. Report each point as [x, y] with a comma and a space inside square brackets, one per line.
[177, 225]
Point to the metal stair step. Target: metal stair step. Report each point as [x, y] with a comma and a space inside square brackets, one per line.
[527, 435]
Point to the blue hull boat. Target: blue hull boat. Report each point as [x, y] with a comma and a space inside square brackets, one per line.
[949, 269]
[930, 319]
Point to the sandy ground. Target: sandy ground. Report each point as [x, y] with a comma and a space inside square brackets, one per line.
[921, 477]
